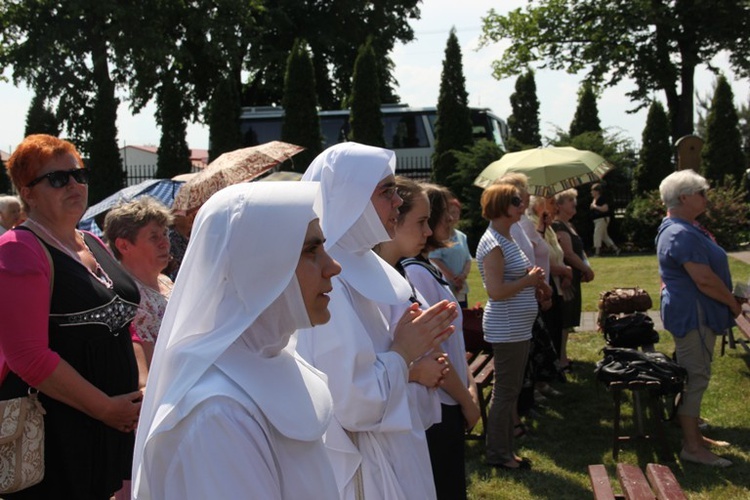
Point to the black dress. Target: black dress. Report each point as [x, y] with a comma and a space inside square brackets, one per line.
[572, 308]
[88, 328]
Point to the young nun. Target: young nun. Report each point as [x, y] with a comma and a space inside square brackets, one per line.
[424, 225]
[228, 413]
[376, 441]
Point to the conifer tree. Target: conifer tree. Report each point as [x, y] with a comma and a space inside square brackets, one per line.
[722, 152]
[524, 122]
[173, 153]
[301, 124]
[224, 118]
[365, 115]
[586, 118]
[107, 173]
[453, 128]
[4, 179]
[40, 119]
[655, 162]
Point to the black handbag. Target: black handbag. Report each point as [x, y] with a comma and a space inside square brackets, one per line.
[629, 330]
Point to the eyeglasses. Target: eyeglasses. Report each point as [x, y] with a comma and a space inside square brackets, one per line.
[388, 191]
[516, 201]
[61, 178]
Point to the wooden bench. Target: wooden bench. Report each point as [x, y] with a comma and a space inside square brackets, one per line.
[658, 483]
[482, 368]
[743, 325]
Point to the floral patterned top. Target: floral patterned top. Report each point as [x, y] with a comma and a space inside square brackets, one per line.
[145, 326]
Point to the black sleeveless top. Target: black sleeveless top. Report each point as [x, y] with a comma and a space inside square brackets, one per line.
[88, 328]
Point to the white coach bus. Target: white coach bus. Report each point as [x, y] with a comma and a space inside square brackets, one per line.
[410, 132]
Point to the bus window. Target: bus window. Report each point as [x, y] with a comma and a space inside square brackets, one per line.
[335, 129]
[402, 131]
[260, 131]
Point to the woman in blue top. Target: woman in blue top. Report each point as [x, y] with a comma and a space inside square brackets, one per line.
[696, 300]
[511, 282]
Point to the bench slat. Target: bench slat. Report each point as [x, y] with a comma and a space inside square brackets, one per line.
[600, 483]
[633, 482]
[664, 483]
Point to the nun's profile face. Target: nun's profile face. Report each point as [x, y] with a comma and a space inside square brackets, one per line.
[386, 201]
[314, 272]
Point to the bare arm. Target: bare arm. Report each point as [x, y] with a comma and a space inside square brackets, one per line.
[711, 285]
[144, 362]
[455, 388]
[65, 384]
[497, 287]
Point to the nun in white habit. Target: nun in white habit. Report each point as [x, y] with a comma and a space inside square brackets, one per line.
[376, 440]
[228, 413]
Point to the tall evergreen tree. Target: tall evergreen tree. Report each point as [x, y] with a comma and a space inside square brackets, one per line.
[224, 118]
[655, 162]
[4, 179]
[173, 153]
[301, 124]
[524, 122]
[722, 152]
[453, 128]
[107, 173]
[40, 119]
[586, 118]
[365, 116]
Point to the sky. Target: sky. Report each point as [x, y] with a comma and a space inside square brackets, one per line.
[417, 69]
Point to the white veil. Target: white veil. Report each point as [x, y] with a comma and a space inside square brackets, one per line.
[348, 174]
[240, 262]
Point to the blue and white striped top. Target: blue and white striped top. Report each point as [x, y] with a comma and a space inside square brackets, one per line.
[508, 320]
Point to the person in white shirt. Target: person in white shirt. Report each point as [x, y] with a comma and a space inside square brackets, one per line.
[228, 412]
[376, 442]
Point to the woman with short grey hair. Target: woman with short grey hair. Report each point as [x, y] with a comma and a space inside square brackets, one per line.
[697, 304]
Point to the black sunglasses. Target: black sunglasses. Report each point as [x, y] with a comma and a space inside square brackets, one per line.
[516, 201]
[60, 178]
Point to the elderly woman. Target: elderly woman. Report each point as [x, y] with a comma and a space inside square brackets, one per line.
[10, 213]
[696, 301]
[137, 236]
[64, 327]
[511, 283]
[376, 442]
[575, 257]
[213, 424]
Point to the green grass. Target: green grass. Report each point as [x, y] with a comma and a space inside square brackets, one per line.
[576, 428]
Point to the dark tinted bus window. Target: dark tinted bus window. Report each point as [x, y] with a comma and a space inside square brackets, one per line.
[403, 131]
[260, 131]
[335, 129]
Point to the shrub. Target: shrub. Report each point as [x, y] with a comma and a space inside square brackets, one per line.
[642, 219]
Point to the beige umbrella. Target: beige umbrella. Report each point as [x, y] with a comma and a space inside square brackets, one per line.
[237, 166]
[282, 176]
[550, 170]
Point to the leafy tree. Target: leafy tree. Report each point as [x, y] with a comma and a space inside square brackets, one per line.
[655, 162]
[40, 119]
[524, 122]
[224, 118]
[470, 164]
[453, 127]
[365, 116]
[586, 118]
[173, 153]
[722, 151]
[657, 44]
[77, 53]
[301, 124]
[334, 49]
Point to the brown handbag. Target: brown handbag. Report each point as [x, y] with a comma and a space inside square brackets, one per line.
[624, 300]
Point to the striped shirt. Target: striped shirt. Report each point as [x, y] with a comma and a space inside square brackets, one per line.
[508, 320]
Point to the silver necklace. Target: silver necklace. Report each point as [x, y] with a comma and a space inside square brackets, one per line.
[100, 274]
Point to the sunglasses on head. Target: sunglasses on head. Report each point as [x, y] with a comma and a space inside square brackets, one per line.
[516, 201]
[60, 178]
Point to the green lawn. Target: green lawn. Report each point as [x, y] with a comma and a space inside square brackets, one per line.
[576, 428]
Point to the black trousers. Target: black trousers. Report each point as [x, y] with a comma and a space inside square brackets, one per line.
[446, 443]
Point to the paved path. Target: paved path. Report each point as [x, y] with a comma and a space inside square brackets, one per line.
[588, 318]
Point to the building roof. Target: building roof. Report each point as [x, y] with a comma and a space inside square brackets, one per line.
[198, 157]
